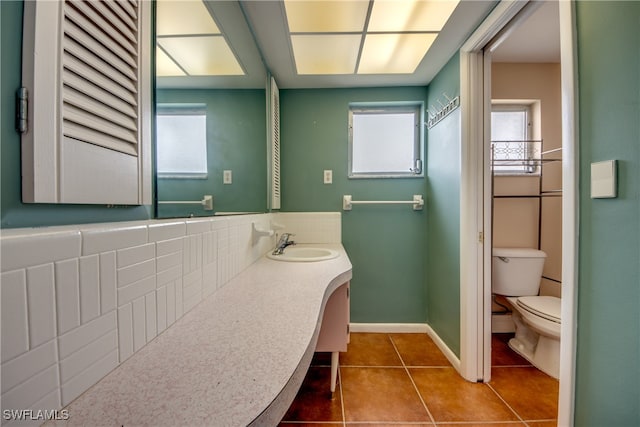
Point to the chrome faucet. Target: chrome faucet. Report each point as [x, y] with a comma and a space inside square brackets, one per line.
[283, 242]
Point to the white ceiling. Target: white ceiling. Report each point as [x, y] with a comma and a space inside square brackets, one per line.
[535, 39]
[258, 34]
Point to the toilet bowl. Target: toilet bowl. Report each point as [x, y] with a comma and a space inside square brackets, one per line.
[537, 324]
[516, 275]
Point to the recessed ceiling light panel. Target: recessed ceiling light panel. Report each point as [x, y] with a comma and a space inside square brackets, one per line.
[183, 17]
[394, 53]
[410, 15]
[326, 35]
[165, 67]
[202, 56]
[326, 16]
[326, 54]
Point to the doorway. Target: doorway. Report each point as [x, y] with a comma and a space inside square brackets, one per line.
[476, 189]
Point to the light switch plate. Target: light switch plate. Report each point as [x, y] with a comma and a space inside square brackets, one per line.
[328, 176]
[227, 177]
[603, 179]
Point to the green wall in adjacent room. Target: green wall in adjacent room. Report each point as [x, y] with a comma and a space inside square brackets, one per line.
[236, 141]
[14, 213]
[443, 211]
[386, 243]
[608, 333]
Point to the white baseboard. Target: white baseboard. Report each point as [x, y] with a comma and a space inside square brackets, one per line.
[409, 328]
[389, 328]
[444, 348]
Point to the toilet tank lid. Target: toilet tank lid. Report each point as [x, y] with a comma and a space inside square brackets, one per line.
[519, 253]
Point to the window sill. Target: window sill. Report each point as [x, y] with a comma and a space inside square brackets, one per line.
[183, 175]
[385, 175]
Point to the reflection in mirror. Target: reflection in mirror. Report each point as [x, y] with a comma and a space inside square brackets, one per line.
[181, 140]
[210, 110]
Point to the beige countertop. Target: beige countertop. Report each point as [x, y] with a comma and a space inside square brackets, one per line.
[236, 359]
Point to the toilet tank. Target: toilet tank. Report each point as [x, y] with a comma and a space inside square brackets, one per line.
[517, 271]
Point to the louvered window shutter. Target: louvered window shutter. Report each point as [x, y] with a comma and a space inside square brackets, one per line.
[274, 120]
[87, 74]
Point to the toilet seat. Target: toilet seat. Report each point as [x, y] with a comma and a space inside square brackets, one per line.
[547, 307]
[538, 331]
[544, 318]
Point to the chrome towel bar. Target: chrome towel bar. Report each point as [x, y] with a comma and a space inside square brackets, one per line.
[206, 202]
[417, 202]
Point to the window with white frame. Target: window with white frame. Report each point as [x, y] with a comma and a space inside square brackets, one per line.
[513, 150]
[181, 141]
[385, 141]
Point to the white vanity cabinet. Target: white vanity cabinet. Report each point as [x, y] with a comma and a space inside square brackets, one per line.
[334, 332]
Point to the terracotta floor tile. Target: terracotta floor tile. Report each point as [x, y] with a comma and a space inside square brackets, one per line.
[370, 350]
[309, 424]
[530, 392]
[451, 398]
[380, 395]
[385, 397]
[502, 355]
[547, 423]
[419, 350]
[489, 424]
[392, 425]
[313, 401]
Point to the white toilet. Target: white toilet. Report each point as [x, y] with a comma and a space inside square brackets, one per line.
[516, 275]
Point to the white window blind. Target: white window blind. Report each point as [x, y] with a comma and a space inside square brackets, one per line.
[87, 71]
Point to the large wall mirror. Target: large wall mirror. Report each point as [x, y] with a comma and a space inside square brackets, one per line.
[210, 110]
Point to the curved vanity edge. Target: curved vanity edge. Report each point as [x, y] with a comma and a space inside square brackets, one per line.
[273, 414]
[242, 321]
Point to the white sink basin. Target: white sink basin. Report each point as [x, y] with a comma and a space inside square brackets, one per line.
[304, 254]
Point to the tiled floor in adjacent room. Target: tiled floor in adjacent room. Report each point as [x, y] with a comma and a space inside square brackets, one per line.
[404, 380]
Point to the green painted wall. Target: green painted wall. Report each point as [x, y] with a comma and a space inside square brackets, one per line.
[13, 212]
[443, 211]
[236, 141]
[608, 358]
[386, 244]
[393, 249]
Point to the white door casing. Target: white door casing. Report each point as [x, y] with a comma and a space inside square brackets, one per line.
[475, 219]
